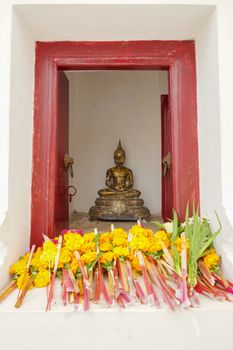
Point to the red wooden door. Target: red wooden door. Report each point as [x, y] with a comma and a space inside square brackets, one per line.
[167, 187]
[61, 205]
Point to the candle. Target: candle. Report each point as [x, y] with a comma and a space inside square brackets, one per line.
[97, 245]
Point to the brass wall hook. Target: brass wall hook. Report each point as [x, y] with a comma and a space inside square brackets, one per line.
[68, 164]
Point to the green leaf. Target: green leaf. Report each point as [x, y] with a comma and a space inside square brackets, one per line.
[67, 267]
[107, 266]
[90, 266]
[155, 255]
[78, 274]
[200, 239]
[158, 224]
[176, 259]
[96, 239]
[175, 227]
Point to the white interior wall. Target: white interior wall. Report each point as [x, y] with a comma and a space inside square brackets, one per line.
[43, 22]
[108, 106]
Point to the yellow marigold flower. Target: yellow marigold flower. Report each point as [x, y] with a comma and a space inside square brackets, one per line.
[73, 241]
[137, 230]
[87, 246]
[211, 259]
[107, 257]
[140, 242]
[42, 279]
[119, 232]
[36, 263]
[22, 280]
[135, 264]
[65, 257]
[106, 246]
[155, 245]
[74, 265]
[163, 236]
[149, 233]
[38, 252]
[121, 251]
[120, 241]
[89, 236]
[49, 252]
[88, 257]
[178, 244]
[19, 267]
[105, 237]
[119, 237]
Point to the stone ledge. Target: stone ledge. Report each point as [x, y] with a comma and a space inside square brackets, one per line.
[209, 326]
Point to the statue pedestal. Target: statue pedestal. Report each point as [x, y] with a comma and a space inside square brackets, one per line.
[119, 209]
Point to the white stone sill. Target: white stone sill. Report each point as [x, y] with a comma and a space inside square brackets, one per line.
[209, 326]
[35, 301]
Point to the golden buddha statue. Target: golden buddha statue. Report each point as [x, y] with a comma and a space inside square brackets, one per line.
[119, 201]
[119, 179]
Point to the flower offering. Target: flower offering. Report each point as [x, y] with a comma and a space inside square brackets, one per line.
[170, 265]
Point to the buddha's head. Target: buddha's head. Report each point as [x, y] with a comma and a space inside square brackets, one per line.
[119, 155]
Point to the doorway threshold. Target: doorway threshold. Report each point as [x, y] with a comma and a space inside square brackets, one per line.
[80, 220]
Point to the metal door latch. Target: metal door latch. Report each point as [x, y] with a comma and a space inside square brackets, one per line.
[68, 164]
[166, 161]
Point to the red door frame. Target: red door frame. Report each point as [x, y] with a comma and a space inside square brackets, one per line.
[178, 57]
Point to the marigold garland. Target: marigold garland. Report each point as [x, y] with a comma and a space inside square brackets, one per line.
[164, 259]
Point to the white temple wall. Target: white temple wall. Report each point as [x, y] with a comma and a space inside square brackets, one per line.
[15, 228]
[213, 35]
[106, 106]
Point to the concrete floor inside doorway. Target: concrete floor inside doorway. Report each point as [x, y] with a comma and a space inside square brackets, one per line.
[80, 220]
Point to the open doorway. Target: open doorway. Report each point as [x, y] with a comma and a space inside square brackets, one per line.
[178, 58]
[105, 106]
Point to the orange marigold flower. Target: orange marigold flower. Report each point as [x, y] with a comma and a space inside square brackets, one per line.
[121, 251]
[65, 257]
[73, 241]
[140, 242]
[36, 262]
[42, 279]
[88, 257]
[89, 236]
[106, 246]
[74, 265]
[105, 237]
[49, 252]
[119, 237]
[134, 262]
[19, 267]
[138, 230]
[87, 247]
[155, 245]
[211, 259]
[107, 257]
